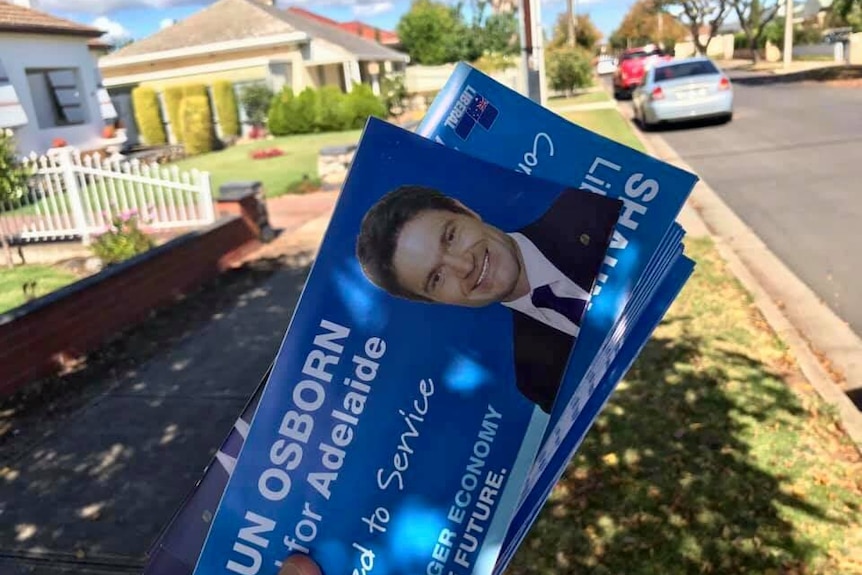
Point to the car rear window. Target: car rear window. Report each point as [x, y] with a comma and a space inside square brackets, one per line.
[685, 70]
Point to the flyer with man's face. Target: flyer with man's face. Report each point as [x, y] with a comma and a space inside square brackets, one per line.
[412, 388]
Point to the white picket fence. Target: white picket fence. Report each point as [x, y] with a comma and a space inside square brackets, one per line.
[73, 196]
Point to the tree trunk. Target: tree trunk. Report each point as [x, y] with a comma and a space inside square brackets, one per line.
[752, 45]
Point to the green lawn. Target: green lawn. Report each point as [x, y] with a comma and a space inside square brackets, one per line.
[586, 98]
[608, 123]
[714, 456]
[47, 280]
[277, 174]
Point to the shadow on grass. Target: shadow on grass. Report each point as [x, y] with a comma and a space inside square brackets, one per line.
[666, 481]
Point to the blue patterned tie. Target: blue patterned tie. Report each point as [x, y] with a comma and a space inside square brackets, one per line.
[569, 307]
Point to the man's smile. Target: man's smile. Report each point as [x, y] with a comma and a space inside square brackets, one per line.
[484, 272]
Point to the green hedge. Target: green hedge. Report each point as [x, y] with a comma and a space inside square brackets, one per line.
[148, 116]
[325, 110]
[226, 108]
[196, 124]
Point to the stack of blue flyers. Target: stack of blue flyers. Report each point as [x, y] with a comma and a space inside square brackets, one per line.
[482, 287]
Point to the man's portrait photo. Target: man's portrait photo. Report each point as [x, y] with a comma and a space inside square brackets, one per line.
[420, 244]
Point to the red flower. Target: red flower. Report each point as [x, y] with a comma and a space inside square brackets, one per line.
[265, 153]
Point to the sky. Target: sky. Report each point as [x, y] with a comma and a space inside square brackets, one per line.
[140, 18]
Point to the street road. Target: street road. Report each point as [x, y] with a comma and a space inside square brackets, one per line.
[790, 165]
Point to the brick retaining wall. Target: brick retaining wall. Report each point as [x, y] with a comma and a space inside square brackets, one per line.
[42, 337]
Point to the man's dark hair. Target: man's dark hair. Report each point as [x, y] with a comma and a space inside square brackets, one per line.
[382, 224]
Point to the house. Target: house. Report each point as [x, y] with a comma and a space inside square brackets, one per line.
[355, 27]
[50, 88]
[245, 42]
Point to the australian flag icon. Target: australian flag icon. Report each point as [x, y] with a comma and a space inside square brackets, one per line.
[481, 112]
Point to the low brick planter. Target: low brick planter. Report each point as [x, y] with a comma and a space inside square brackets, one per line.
[42, 337]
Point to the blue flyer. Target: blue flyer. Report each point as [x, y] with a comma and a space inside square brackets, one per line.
[478, 116]
[409, 396]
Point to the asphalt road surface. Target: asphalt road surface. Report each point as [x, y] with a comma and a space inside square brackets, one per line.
[790, 165]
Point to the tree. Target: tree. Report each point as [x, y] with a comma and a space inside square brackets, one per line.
[647, 23]
[703, 18]
[568, 68]
[754, 16]
[499, 33]
[255, 100]
[13, 183]
[432, 32]
[586, 33]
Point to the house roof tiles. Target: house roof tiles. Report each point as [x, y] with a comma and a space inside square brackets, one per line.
[237, 20]
[18, 19]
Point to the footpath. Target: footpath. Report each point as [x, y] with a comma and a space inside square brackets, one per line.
[87, 485]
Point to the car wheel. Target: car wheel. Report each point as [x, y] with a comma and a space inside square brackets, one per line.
[727, 118]
[645, 126]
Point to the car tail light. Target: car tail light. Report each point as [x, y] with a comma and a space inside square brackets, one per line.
[724, 83]
[657, 93]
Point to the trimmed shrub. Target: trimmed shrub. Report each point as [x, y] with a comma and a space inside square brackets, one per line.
[197, 124]
[333, 114]
[147, 116]
[225, 105]
[173, 96]
[301, 116]
[278, 109]
[362, 103]
[195, 90]
[569, 68]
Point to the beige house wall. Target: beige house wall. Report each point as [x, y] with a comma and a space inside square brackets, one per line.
[855, 55]
[720, 47]
[180, 70]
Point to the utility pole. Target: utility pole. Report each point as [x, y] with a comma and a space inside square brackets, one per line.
[532, 49]
[788, 33]
[570, 20]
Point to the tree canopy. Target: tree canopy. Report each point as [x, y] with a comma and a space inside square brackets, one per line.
[645, 23]
[587, 35]
[434, 32]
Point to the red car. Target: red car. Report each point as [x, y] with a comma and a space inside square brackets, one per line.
[633, 64]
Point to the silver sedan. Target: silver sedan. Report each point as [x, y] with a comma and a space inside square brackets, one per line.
[682, 90]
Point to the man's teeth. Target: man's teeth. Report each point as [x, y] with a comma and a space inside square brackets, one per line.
[484, 271]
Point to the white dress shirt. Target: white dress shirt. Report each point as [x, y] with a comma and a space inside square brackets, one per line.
[540, 271]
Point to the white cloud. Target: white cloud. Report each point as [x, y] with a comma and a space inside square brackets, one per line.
[360, 7]
[167, 23]
[372, 9]
[114, 31]
[108, 6]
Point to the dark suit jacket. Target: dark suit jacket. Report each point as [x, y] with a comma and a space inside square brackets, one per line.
[574, 235]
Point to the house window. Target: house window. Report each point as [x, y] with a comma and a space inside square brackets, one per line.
[12, 114]
[57, 97]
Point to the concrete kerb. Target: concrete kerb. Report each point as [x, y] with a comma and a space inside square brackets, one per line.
[808, 327]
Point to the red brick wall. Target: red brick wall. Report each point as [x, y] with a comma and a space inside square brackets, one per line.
[45, 335]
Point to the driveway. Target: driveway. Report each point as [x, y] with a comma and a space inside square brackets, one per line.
[790, 165]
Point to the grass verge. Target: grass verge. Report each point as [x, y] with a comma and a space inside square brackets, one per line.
[713, 456]
[585, 98]
[279, 175]
[12, 280]
[608, 123]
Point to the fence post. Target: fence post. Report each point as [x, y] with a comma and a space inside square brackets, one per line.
[206, 196]
[66, 163]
